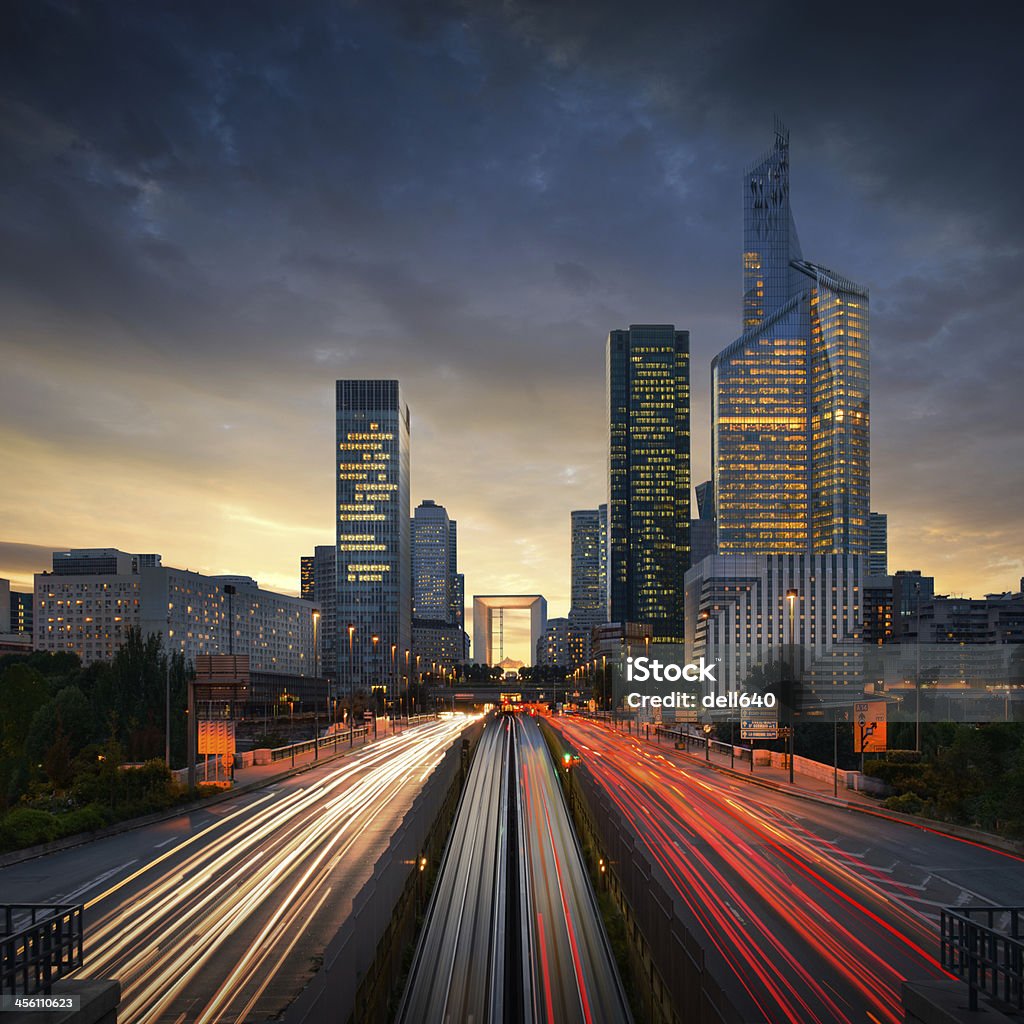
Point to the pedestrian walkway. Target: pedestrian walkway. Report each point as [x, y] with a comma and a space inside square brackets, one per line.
[810, 778]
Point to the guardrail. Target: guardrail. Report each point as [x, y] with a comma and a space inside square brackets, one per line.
[342, 737]
[989, 959]
[37, 952]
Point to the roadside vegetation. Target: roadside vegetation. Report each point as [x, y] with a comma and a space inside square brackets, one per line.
[68, 734]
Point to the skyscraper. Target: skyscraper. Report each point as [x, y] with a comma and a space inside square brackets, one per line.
[790, 397]
[589, 606]
[433, 538]
[648, 374]
[878, 552]
[702, 528]
[319, 583]
[374, 575]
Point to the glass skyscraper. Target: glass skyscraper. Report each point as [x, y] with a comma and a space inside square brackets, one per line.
[374, 574]
[790, 397]
[648, 375]
[588, 587]
[434, 561]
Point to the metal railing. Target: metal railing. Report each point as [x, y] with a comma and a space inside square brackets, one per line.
[987, 956]
[333, 741]
[40, 944]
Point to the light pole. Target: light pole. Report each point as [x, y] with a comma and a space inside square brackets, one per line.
[374, 640]
[391, 681]
[316, 648]
[407, 681]
[351, 663]
[791, 596]
[917, 671]
[167, 697]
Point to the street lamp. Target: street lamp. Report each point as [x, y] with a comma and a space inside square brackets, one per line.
[791, 596]
[917, 672]
[351, 662]
[391, 687]
[316, 649]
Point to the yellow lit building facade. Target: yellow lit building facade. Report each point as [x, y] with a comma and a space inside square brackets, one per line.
[374, 575]
[791, 396]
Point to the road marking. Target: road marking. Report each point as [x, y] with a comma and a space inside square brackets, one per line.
[98, 880]
[173, 839]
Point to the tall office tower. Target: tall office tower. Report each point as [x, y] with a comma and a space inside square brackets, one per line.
[878, 548]
[433, 559]
[648, 373]
[458, 581]
[306, 577]
[790, 397]
[319, 583]
[588, 603]
[374, 574]
[702, 529]
[602, 511]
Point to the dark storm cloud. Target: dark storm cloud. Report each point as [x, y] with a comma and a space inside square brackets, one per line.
[251, 199]
[26, 559]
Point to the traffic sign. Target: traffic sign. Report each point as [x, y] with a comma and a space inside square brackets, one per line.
[758, 729]
[869, 727]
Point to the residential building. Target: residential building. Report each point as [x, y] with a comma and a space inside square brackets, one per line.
[92, 596]
[15, 610]
[877, 620]
[562, 643]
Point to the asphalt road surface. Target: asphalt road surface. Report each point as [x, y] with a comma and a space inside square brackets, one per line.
[223, 913]
[807, 912]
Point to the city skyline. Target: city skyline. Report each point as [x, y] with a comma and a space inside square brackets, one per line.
[183, 286]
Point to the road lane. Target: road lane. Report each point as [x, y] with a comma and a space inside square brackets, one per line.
[513, 931]
[221, 914]
[794, 899]
[578, 979]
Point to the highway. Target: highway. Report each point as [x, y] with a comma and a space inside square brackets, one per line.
[458, 973]
[221, 914]
[513, 930]
[575, 978]
[807, 912]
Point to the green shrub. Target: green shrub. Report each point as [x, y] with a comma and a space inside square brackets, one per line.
[85, 819]
[902, 757]
[27, 827]
[908, 803]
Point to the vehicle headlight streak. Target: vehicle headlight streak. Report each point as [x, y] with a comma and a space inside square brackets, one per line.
[274, 857]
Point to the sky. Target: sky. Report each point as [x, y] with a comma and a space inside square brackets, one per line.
[209, 212]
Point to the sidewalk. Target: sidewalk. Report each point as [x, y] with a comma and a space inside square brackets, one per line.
[329, 750]
[819, 790]
[776, 776]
